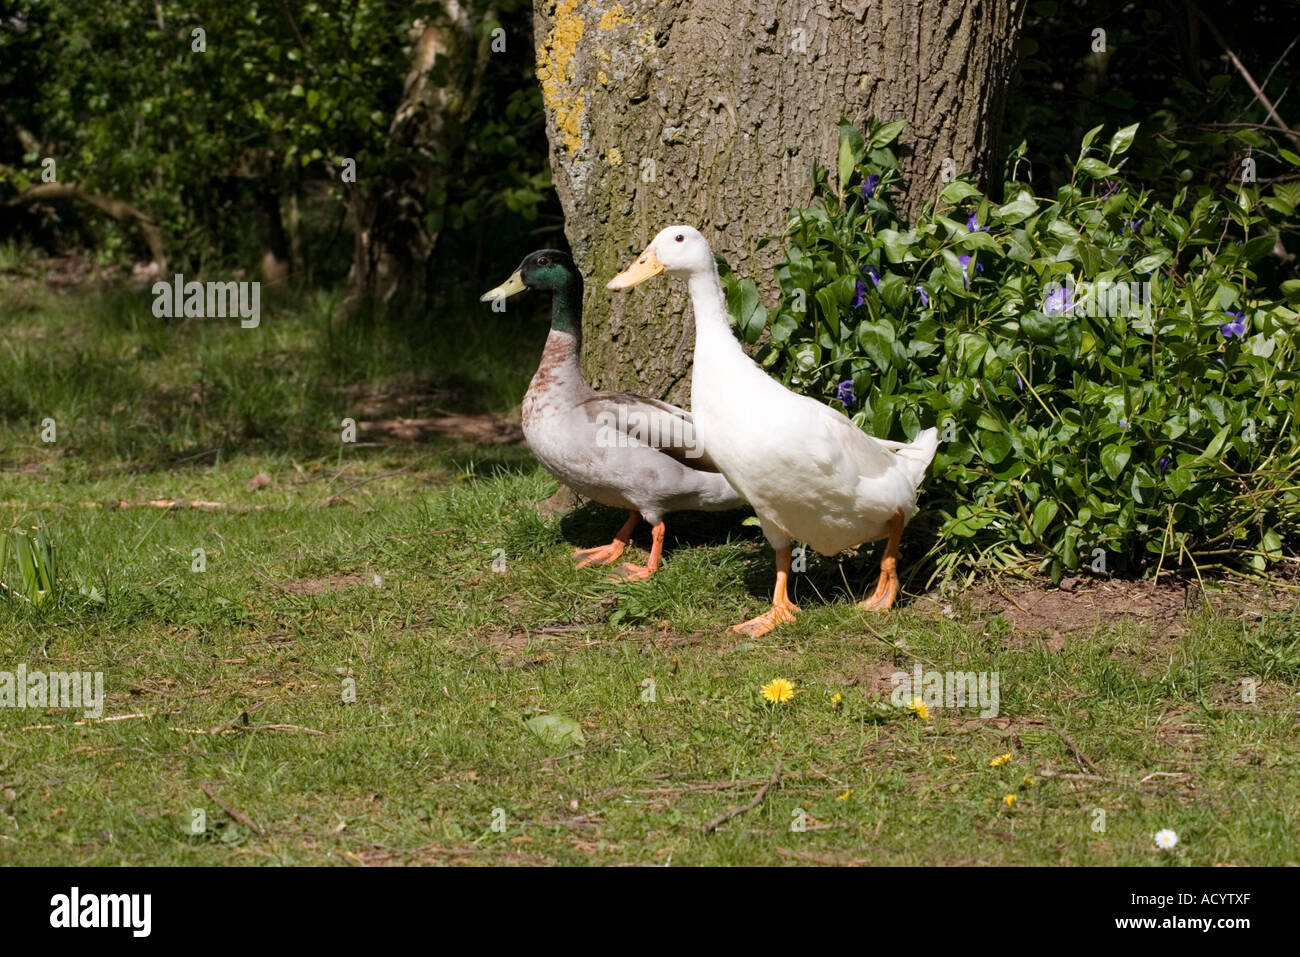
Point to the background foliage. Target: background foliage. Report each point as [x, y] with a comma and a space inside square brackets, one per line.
[284, 91]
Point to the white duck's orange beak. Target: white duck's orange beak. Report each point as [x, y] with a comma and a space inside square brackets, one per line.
[647, 266]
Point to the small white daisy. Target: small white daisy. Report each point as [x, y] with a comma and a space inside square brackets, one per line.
[1166, 839]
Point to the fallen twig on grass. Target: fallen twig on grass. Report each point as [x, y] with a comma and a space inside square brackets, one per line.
[1178, 775]
[1078, 752]
[755, 802]
[233, 812]
[90, 721]
[683, 788]
[1049, 773]
[819, 859]
[1123, 782]
[289, 728]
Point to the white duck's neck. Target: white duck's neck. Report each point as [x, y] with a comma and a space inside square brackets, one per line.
[717, 350]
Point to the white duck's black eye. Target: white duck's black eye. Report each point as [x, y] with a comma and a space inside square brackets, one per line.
[679, 237]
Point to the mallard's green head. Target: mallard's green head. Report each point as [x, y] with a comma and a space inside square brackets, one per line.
[547, 270]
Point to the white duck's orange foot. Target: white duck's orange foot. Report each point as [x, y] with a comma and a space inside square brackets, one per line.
[884, 596]
[776, 615]
[602, 555]
[629, 572]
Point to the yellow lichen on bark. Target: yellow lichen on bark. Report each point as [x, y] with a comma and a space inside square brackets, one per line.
[555, 68]
[614, 17]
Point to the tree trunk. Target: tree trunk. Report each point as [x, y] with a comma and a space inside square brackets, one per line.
[276, 258]
[398, 220]
[711, 113]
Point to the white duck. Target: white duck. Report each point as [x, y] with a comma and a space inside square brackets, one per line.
[810, 473]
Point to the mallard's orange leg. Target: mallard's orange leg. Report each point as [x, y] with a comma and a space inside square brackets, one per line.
[887, 584]
[605, 554]
[782, 610]
[629, 571]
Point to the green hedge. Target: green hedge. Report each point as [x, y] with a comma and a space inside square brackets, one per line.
[1078, 429]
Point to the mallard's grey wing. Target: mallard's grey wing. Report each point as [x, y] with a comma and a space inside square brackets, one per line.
[637, 419]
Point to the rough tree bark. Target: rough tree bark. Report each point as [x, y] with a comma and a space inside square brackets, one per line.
[713, 113]
[398, 218]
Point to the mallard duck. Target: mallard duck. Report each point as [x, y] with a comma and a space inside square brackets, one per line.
[810, 473]
[615, 448]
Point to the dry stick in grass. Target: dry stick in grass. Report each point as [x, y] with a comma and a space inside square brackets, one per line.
[1049, 773]
[755, 802]
[1175, 776]
[291, 728]
[91, 721]
[234, 812]
[819, 859]
[1088, 762]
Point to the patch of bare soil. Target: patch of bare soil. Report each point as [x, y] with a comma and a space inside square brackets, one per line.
[414, 412]
[1078, 604]
[1052, 617]
[469, 428]
[315, 586]
[1083, 603]
[377, 403]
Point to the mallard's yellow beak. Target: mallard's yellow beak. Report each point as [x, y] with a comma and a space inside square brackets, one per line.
[512, 286]
[647, 265]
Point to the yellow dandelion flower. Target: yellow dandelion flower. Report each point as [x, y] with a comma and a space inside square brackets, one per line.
[1027, 781]
[778, 690]
[1000, 760]
[917, 706]
[845, 796]
[836, 699]
[1009, 800]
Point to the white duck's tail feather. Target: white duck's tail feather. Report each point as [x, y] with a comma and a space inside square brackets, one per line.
[919, 454]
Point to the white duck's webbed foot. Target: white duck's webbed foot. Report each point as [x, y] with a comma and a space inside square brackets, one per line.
[887, 585]
[782, 610]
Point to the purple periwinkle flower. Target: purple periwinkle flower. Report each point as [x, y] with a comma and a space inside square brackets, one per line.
[965, 276]
[844, 392]
[1112, 186]
[1123, 424]
[1237, 327]
[859, 293]
[873, 275]
[869, 186]
[1058, 300]
[973, 224]
[925, 300]
[1165, 464]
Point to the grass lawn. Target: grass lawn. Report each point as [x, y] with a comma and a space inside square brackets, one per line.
[411, 571]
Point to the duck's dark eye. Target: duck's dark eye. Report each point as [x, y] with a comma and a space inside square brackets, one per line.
[679, 237]
[543, 261]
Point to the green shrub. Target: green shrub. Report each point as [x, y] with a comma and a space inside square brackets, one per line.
[1160, 436]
